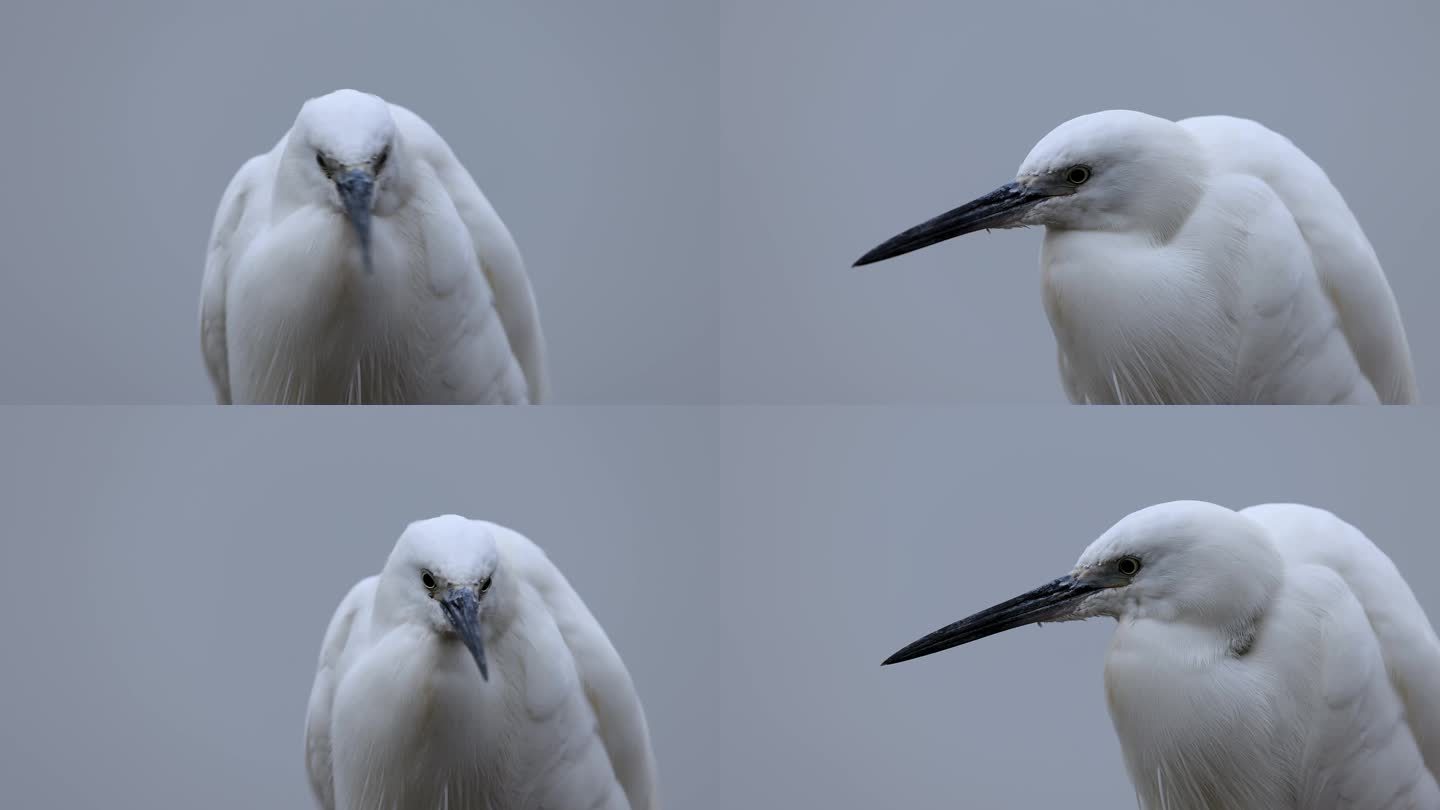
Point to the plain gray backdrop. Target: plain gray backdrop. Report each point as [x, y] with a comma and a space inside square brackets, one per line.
[689, 182]
[169, 574]
[589, 126]
[847, 122]
[861, 530]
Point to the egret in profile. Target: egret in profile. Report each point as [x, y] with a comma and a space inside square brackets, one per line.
[468, 675]
[358, 262]
[1200, 261]
[1269, 658]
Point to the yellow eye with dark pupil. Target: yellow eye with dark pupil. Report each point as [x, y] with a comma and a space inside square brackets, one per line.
[427, 580]
[1129, 566]
[1075, 175]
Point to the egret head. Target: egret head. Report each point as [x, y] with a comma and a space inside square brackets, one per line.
[1185, 561]
[445, 575]
[344, 144]
[1109, 171]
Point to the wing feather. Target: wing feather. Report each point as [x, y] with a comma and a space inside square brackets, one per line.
[226, 241]
[318, 761]
[607, 683]
[1406, 639]
[1346, 265]
[498, 254]
[1359, 752]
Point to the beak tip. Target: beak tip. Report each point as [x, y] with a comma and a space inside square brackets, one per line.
[895, 659]
[871, 257]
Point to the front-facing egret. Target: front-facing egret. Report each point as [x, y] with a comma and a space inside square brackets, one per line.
[1202, 261]
[358, 262]
[468, 675]
[1267, 659]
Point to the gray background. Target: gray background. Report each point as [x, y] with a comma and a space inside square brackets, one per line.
[689, 182]
[863, 529]
[169, 573]
[590, 129]
[846, 122]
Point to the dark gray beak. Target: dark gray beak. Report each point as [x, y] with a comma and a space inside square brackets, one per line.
[357, 190]
[1001, 208]
[463, 610]
[1053, 601]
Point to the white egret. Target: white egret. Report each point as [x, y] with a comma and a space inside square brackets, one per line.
[358, 262]
[1204, 261]
[1271, 658]
[467, 675]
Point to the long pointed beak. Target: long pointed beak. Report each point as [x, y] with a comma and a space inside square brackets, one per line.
[357, 191]
[1001, 208]
[463, 610]
[1053, 601]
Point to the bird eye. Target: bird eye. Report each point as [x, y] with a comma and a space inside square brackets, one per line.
[485, 584]
[322, 163]
[1128, 566]
[1075, 175]
[428, 580]
[381, 158]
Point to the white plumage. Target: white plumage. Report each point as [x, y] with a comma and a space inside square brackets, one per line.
[469, 675]
[358, 262]
[1204, 261]
[1267, 659]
